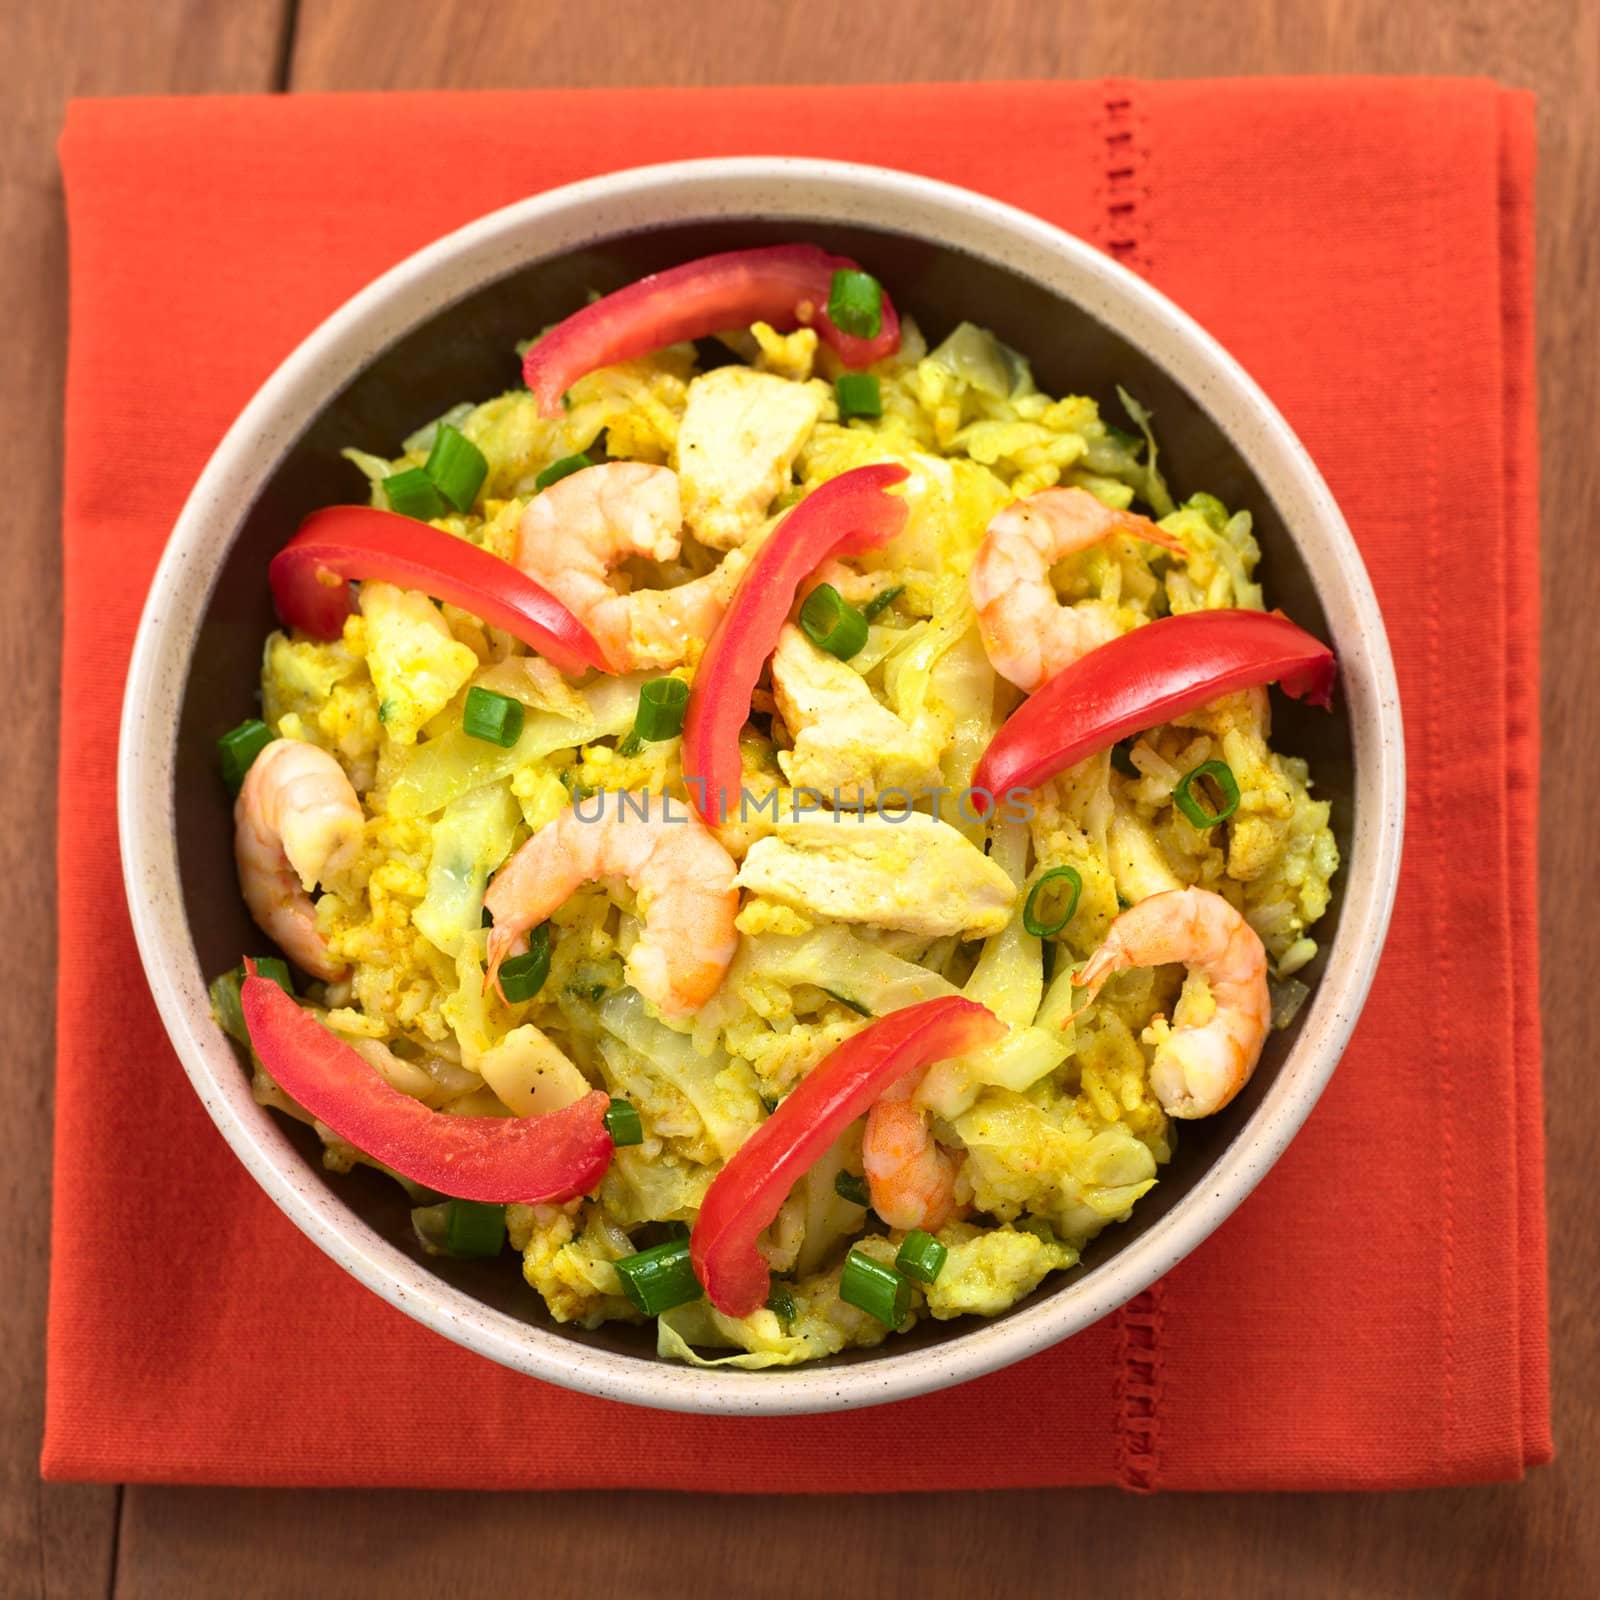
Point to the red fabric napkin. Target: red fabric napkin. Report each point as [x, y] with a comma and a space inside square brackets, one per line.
[1375, 1314]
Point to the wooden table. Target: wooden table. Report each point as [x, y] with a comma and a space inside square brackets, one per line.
[1539, 1538]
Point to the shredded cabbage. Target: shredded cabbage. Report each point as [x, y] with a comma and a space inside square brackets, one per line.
[470, 840]
[445, 768]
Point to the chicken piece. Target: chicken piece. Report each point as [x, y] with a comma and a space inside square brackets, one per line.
[903, 871]
[845, 741]
[740, 433]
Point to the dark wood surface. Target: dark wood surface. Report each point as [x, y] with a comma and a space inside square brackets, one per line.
[1541, 1537]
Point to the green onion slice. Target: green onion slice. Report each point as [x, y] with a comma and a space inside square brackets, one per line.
[658, 1279]
[522, 977]
[239, 747]
[457, 467]
[855, 303]
[781, 1304]
[494, 718]
[859, 395]
[413, 493]
[876, 1289]
[1031, 923]
[564, 468]
[852, 1186]
[845, 1000]
[921, 1256]
[466, 1229]
[1122, 759]
[227, 1006]
[662, 702]
[831, 623]
[1037, 1226]
[881, 602]
[1184, 797]
[623, 1124]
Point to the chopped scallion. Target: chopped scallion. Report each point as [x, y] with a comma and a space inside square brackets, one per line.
[880, 602]
[1069, 876]
[852, 1186]
[522, 977]
[239, 747]
[781, 1304]
[662, 702]
[855, 303]
[228, 1007]
[413, 493]
[845, 1000]
[466, 1229]
[494, 718]
[1037, 1226]
[859, 395]
[876, 1289]
[921, 1256]
[658, 1279]
[274, 968]
[1184, 797]
[623, 1124]
[564, 468]
[457, 467]
[831, 623]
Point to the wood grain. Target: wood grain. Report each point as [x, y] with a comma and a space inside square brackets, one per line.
[1539, 1538]
[56, 1539]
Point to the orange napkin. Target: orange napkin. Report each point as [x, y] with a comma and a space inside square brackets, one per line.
[1375, 1313]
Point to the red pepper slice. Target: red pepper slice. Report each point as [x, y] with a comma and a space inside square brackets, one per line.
[849, 513]
[745, 1196]
[783, 284]
[1145, 678]
[310, 588]
[501, 1160]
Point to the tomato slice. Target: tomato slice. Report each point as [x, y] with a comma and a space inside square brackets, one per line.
[501, 1160]
[1142, 679]
[786, 285]
[745, 1196]
[849, 513]
[310, 581]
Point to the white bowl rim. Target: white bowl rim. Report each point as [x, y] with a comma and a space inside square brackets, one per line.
[766, 188]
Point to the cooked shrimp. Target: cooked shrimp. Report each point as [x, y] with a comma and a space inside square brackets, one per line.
[297, 821]
[1028, 634]
[910, 1176]
[582, 527]
[845, 741]
[1206, 1056]
[682, 876]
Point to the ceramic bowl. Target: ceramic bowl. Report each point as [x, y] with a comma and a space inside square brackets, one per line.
[441, 326]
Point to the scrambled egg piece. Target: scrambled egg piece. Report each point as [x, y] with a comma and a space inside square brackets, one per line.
[415, 661]
[1059, 1163]
[740, 434]
[907, 872]
[788, 355]
[845, 741]
[987, 1270]
[321, 693]
[569, 1261]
